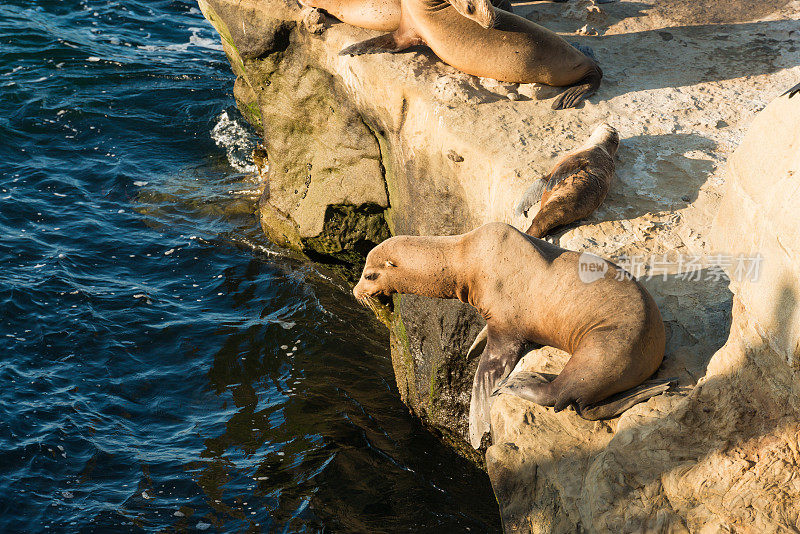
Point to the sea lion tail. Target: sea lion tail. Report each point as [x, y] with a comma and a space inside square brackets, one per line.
[616, 404]
[584, 88]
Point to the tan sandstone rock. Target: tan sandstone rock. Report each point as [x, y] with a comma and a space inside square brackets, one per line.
[725, 456]
[362, 146]
[759, 215]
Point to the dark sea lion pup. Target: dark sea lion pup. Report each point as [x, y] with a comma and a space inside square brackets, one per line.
[532, 292]
[477, 39]
[575, 187]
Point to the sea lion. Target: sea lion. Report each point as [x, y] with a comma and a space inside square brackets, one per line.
[575, 187]
[380, 15]
[532, 292]
[477, 39]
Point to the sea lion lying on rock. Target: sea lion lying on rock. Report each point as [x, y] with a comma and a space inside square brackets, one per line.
[380, 15]
[575, 187]
[477, 39]
[532, 292]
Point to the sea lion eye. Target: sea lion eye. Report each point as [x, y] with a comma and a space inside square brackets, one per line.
[390, 263]
[371, 276]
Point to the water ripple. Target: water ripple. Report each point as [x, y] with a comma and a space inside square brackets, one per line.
[164, 366]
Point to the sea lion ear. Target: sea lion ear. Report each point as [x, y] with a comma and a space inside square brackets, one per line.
[390, 263]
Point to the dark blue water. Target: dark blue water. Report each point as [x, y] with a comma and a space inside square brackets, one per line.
[164, 368]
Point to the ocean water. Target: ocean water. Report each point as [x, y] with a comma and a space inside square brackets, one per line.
[164, 367]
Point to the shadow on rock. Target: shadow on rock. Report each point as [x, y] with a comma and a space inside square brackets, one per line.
[722, 456]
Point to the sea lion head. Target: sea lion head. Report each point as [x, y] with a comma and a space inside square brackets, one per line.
[419, 265]
[377, 277]
[481, 11]
[606, 136]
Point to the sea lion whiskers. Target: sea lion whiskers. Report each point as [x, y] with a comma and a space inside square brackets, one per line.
[370, 302]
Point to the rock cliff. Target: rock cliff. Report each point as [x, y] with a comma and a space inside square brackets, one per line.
[361, 148]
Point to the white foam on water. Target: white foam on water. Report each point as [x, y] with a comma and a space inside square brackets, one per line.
[194, 40]
[233, 137]
[204, 42]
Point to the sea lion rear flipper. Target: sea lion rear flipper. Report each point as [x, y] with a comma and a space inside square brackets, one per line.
[616, 404]
[582, 89]
[498, 359]
[793, 91]
[531, 197]
[389, 42]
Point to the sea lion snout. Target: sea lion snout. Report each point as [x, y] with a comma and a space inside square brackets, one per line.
[374, 278]
[366, 291]
[367, 286]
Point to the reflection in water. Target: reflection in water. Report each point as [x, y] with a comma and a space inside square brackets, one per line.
[316, 417]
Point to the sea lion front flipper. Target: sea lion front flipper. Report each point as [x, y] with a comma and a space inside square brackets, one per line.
[535, 194]
[478, 346]
[498, 359]
[616, 404]
[389, 42]
[528, 385]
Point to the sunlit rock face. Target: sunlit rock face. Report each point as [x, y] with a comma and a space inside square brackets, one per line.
[721, 454]
[759, 216]
[360, 148]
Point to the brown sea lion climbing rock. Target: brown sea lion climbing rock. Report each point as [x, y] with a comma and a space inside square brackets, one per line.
[575, 187]
[477, 39]
[532, 292]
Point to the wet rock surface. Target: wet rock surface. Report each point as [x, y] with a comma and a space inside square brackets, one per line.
[403, 144]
